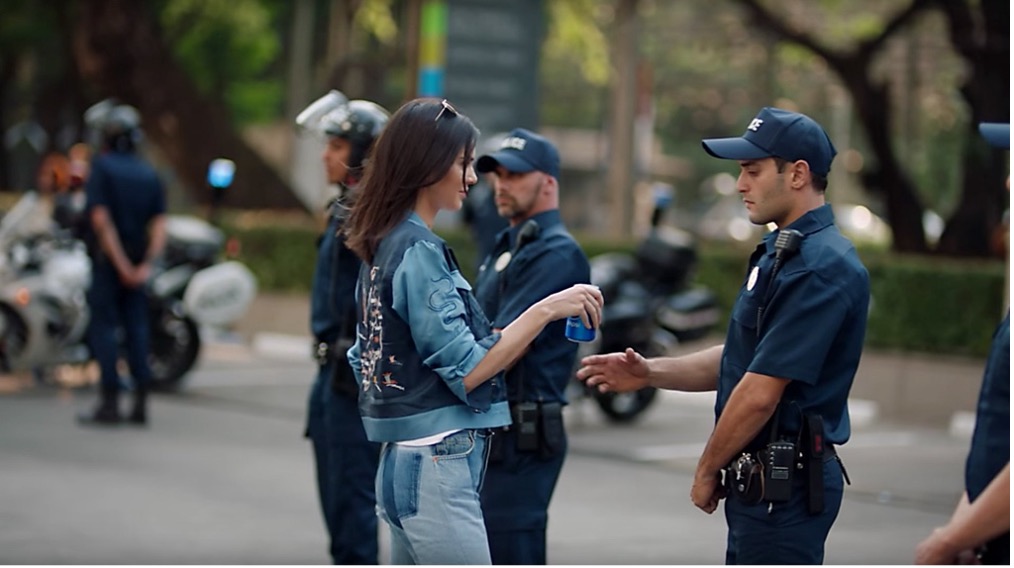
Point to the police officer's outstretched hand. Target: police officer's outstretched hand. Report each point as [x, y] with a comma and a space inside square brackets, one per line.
[615, 372]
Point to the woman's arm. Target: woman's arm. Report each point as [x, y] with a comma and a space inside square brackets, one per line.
[582, 300]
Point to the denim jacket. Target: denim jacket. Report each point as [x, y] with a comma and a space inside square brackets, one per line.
[419, 332]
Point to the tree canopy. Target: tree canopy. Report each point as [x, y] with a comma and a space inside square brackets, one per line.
[900, 84]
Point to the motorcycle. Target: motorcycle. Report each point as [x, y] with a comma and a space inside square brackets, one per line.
[191, 288]
[650, 306]
[44, 277]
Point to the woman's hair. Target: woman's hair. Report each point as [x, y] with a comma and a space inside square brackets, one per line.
[415, 150]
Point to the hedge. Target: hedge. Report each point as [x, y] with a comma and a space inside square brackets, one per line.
[930, 304]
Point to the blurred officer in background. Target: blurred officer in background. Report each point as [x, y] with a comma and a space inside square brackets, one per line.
[533, 258]
[346, 461]
[979, 529]
[126, 218]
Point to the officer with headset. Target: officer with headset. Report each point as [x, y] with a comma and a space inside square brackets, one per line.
[346, 461]
[531, 259]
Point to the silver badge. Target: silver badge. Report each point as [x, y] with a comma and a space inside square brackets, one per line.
[752, 281]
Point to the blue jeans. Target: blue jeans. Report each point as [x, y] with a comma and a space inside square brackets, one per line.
[429, 497]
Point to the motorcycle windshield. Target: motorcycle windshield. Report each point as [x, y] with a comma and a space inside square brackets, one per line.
[31, 215]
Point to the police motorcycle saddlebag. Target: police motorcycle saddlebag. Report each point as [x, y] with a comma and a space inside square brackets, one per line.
[666, 258]
[220, 294]
[689, 314]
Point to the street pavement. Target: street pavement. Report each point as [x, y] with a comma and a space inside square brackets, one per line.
[223, 476]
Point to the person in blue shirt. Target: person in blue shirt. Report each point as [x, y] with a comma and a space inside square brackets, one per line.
[125, 208]
[535, 257]
[980, 525]
[346, 461]
[428, 364]
[790, 355]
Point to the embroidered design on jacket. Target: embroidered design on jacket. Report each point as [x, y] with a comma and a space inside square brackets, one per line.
[373, 342]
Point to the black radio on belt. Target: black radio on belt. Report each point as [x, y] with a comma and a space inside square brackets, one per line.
[779, 463]
[526, 423]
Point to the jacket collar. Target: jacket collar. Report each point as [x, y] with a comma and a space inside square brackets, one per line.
[812, 221]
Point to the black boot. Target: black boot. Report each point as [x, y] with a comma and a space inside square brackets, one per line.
[107, 413]
[139, 414]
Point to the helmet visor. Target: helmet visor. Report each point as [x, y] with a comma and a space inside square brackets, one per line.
[310, 118]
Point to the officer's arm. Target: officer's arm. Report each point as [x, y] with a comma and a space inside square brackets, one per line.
[972, 524]
[696, 372]
[750, 406]
[628, 371]
[156, 238]
[109, 240]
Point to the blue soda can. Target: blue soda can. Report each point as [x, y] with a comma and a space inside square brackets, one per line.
[576, 330]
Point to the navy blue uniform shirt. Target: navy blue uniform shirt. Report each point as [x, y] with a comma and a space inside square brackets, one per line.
[332, 299]
[129, 188]
[990, 450]
[552, 262]
[813, 327]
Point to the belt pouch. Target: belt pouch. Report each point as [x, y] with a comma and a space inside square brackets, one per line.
[813, 438]
[343, 380]
[526, 424]
[744, 478]
[551, 425]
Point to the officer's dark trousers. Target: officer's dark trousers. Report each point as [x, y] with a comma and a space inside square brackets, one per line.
[112, 304]
[346, 470]
[515, 499]
[788, 534]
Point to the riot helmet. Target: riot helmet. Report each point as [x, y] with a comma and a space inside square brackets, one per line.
[358, 121]
[113, 124]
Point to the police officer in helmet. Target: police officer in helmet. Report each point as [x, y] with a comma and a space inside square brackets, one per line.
[126, 221]
[346, 462]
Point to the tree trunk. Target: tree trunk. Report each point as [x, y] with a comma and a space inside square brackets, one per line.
[8, 64]
[887, 178]
[119, 49]
[987, 91]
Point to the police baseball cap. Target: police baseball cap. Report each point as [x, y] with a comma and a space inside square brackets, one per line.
[996, 133]
[780, 133]
[522, 151]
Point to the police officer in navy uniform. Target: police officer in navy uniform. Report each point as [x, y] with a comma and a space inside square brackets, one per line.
[793, 345]
[346, 461]
[125, 208]
[534, 257]
[980, 525]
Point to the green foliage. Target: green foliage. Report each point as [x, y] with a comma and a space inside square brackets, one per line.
[574, 65]
[280, 256]
[576, 37]
[934, 305]
[375, 18]
[227, 47]
[919, 303]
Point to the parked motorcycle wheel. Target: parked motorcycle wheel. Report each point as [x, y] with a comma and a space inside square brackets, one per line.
[625, 407]
[175, 345]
